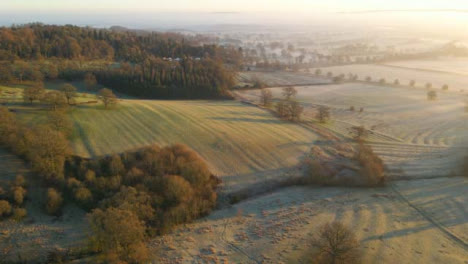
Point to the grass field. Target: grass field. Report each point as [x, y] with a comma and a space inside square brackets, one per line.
[237, 140]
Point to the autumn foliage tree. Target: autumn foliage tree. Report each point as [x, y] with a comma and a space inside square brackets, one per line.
[69, 91]
[107, 97]
[119, 235]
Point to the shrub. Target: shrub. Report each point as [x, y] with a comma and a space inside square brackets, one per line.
[83, 196]
[20, 181]
[372, 168]
[351, 108]
[445, 87]
[5, 208]
[336, 244]
[412, 83]
[54, 202]
[19, 214]
[18, 195]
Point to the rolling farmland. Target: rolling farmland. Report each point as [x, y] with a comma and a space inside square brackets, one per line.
[414, 136]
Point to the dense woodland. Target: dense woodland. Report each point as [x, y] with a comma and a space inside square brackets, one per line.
[152, 65]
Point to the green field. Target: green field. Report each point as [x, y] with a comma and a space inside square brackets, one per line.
[237, 140]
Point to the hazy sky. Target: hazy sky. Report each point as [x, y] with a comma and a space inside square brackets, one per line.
[228, 5]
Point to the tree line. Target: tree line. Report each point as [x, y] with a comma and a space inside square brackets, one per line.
[153, 65]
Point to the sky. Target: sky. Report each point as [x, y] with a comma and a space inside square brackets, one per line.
[302, 6]
[167, 14]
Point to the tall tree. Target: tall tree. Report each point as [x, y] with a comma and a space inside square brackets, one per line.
[69, 91]
[107, 97]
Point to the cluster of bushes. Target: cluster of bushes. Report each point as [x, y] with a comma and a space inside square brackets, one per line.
[12, 199]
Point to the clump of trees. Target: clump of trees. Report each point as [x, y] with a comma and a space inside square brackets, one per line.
[289, 108]
[335, 243]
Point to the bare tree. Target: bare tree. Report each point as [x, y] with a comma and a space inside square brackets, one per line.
[289, 92]
[336, 244]
[265, 97]
[107, 97]
[323, 114]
